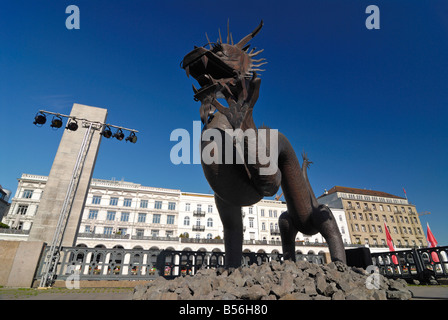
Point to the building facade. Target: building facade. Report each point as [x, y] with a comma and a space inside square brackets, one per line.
[128, 215]
[4, 205]
[368, 212]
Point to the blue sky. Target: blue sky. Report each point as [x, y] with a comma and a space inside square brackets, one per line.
[369, 106]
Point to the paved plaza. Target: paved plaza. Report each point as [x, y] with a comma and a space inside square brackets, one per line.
[419, 292]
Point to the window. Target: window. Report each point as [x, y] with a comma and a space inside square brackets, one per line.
[87, 229]
[251, 222]
[96, 200]
[144, 204]
[374, 206]
[270, 213]
[358, 206]
[127, 202]
[139, 233]
[262, 212]
[209, 236]
[171, 205]
[93, 214]
[209, 222]
[275, 213]
[380, 229]
[107, 230]
[198, 222]
[187, 207]
[113, 201]
[122, 231]
[354, 215]
[110, 215]
[370, 216]
[263, 226]
[384, 218]
[377, 218]
[356, 227]
[363, 228]
[154, 233]
[251, 210]
[342, 230]
[170, 219]
[156, 218]
[199, 207]
[381, 207]
[141, 217]
[340, 217]
[392, 219]
[22, 209]
[349, 204]
[395, 230]
[27, 194]
[360, 216]
[158, 205]
[124, 216]
[388, 208]
[210, 208]
[186, 221]
[373, 229]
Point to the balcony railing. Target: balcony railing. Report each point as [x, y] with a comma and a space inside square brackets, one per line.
[198, 228]
[14, 231]
[198, 213]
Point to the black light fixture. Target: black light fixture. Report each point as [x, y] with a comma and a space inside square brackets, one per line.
[56, 123]
[132, 137]
[40, 119]
[106, 133]
[119, 135]
[72, 125]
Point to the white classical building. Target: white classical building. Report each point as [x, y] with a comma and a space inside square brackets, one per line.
[128, 215]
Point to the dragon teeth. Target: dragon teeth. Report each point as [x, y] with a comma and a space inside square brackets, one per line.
[204, 60]
[187, 70]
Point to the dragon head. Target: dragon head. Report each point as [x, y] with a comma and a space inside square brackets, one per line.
[223, 66]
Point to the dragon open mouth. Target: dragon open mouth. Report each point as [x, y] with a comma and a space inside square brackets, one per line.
[207, 68]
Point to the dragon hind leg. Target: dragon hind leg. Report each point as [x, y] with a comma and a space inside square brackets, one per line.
[325, 223]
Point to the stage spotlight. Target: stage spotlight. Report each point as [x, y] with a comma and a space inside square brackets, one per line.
[106, 133]
[119, 135]
[72, 125]
[132, 138]
[40, 119]
[56, 122]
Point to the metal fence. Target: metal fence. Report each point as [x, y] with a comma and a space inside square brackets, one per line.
[419, 264]
[135, 264]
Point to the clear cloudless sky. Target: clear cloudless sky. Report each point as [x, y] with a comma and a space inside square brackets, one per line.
[370, 107]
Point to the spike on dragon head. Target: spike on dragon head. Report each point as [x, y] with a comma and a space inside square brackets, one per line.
[223, 66]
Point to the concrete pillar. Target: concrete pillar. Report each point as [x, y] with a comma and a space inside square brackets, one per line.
[50, 206]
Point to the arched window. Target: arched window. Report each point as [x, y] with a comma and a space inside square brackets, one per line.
[186, 221]
[209, 236]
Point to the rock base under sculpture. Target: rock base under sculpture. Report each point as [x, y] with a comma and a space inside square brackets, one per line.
[276, 281]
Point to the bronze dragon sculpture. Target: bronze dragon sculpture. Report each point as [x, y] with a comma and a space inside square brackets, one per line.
[229, 71]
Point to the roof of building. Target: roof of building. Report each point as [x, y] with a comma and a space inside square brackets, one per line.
[361, 191]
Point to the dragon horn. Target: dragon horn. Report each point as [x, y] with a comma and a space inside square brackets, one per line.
[249, 37]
